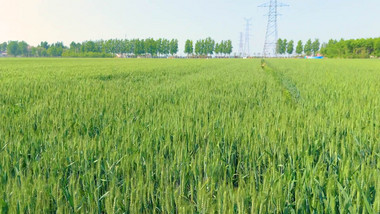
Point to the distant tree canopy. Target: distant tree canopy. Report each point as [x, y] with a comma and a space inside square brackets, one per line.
[13, 48]
[134, 47]
[315, 46]
[299, 48]
[3, 47]
[189, 48]
[109, 48]
[281, 46]
[285, 47]
[224, 47]
[353, 48]
[205, 47]
[173, 46]
[290, 47]
[100, 48]
[308, 48]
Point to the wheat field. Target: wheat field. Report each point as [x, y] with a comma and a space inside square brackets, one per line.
[189, 136]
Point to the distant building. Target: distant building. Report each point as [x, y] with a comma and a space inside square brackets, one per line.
[3, 54]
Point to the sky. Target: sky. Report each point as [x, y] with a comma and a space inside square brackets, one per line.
[34, 21]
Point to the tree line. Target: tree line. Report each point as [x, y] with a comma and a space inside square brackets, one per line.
[352, 48]
[287, 47]
[100, 48]
[109, 48]
[206, 47]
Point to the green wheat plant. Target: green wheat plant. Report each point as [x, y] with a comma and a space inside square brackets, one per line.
[189, 136]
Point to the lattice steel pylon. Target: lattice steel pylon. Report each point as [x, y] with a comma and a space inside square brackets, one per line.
[271, 35]
[241, 45]
[248, 25]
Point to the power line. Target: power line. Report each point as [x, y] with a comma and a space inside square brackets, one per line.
[271, 35]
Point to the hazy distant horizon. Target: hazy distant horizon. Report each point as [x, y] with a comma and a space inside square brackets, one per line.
[34, 21]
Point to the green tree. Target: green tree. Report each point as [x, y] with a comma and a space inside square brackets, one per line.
[44, 45]
[308, 47]
[165, 47]
[52, 51]
[283, 46]
[228, 47]
[299, 48]
[173, 46]
[139, 47]
[3, 46]
[224, 47]
[279, 46]
[13, 48]
[209, 46]
[315, 46]
[33, 52]
[128, 46]
[189, 47]
[377, 47]
[290, 47]
[198, 48]
[23, 48]
[151, 46]
[55, 50]
[218, 48]
[75, 47]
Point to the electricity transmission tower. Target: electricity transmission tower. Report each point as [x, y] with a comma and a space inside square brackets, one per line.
[246, 51]
[241, 45]
[271, 36]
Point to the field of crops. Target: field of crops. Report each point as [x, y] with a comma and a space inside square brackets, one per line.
[189, 136]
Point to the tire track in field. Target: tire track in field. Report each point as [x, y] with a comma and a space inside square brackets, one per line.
[290, 89]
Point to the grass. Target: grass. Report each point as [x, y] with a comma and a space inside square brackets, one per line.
[189, 136]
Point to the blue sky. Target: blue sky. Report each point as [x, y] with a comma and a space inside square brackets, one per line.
[80, 20]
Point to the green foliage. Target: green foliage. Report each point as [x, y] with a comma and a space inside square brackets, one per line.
[308, 48]
[198, 47]
[377, 47]
[44, 45]
[283, 46]
[23, 48]
[353, 48]
[3, 46]
[218, 48]
[224, 47]
[315, 46]
[173, 46]
[207, 47]
[189, 136]
[131, 48]
[279, 46]
[151, 47]
[56, 50]
[163, 46]
[228, 47]
[13, 48]
[299, 48]
[90, 46]
[290, 47]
